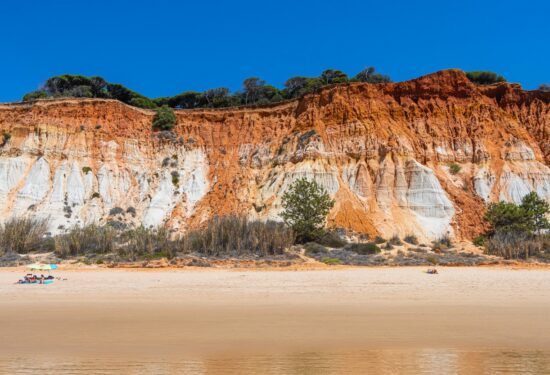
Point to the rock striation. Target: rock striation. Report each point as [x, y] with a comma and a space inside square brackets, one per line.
[384, 152]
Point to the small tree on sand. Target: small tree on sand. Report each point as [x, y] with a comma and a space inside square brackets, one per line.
[306, 206]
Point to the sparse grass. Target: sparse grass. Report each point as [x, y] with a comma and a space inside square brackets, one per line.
[395, 240]
[454, 168]
[442, 243]
[411, 239]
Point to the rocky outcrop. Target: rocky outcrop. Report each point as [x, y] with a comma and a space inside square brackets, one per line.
[382, 151]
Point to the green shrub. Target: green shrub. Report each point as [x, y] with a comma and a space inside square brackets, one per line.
[454, 168]
[86, 170]
[175, 178]
[331, 261]
[485, 78]
[479, 241]
[95, 195]
[5, 139]
[368, 248]
[165, 118]
[379, 240]
[305, 207]
[411, 238]
[529, 217]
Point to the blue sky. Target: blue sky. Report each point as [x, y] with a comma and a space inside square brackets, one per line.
[161, 48]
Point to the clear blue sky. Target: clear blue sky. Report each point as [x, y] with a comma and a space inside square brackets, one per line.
[164, 47]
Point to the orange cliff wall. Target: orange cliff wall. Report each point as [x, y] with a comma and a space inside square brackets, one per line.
[382, 151]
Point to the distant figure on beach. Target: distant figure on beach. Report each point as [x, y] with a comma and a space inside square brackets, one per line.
[432, 271]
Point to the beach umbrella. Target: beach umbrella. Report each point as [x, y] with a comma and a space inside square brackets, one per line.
[37, 266]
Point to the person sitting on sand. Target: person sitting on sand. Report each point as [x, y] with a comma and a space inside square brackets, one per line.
[432, 271]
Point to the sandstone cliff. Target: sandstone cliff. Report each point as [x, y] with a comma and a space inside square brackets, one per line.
[383, 152]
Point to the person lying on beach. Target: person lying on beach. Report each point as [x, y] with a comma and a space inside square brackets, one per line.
[432, 271]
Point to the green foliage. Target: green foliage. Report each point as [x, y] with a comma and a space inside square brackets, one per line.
[379, 240]
[86, 170]
[369, 248]
[5, 139]
[331, 261]
[479, 241]
[175, 178]
[454, 168]
[332, 76]
[484, 78]
[35, 95]
[306, 205]
[368, 75]
[255, 91]
[165, 118]
[536, 209]
[529, 217]
[95, 195]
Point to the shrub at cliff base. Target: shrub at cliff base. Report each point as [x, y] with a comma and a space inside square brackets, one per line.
[517, 231]
[305, 208]
[22, 235]
[235, 235]
[221, 236]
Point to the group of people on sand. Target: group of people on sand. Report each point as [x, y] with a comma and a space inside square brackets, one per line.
[34, 279]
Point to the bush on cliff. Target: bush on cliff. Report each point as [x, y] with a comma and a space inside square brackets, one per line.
[305, 208]
[485, 78]
[165, 118]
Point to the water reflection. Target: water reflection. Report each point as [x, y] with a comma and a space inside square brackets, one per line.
[432, 361]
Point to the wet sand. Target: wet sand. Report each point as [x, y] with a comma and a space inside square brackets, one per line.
[113, 313]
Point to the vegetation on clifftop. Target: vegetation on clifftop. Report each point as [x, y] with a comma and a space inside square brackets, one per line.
[255, 91]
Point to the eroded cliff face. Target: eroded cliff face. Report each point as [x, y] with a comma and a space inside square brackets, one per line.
[382, 151]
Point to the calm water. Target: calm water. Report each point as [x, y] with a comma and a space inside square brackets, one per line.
[434, 361]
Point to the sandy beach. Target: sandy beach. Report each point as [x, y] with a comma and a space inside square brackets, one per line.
[218, 312]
